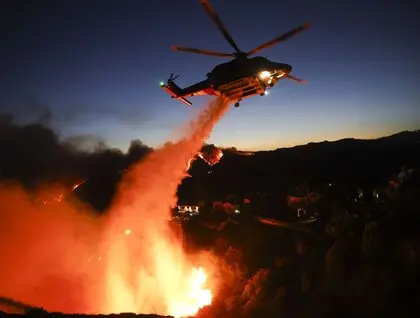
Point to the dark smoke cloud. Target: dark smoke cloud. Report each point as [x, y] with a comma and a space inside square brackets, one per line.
[32, 109]
[86, 142]
[29, 110]
[77, 114]
[33, 153]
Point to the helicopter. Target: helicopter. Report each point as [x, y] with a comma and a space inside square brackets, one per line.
[239, 78]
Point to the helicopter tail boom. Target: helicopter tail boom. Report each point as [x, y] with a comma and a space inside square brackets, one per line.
[172, 89]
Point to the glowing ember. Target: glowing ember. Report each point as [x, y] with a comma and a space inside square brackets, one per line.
[211, 157]
[74, 187]
[189, 164]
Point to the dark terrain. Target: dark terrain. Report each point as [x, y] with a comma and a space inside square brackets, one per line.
[360, 259]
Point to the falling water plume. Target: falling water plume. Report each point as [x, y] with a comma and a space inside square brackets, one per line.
[147, 270]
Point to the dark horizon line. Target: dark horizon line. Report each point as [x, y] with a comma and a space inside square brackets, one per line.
[320, 142]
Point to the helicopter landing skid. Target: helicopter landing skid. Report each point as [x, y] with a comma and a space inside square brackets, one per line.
[242, 88]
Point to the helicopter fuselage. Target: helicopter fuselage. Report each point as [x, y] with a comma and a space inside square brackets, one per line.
[238, 69]
[244, 77]
[239, 78]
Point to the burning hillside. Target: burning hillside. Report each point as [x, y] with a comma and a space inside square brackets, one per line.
[126, 261]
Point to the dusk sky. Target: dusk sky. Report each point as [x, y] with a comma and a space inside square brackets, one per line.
[97, 66]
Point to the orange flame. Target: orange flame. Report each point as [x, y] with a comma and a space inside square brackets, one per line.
[212, 158]
[189, 164]
[197, 296]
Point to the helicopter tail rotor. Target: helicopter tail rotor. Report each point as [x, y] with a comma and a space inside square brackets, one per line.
[172, 77]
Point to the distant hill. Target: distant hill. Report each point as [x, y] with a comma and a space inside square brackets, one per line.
[404, 136]
[348, 160]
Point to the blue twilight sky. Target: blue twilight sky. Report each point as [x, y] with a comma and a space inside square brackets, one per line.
[97, 66]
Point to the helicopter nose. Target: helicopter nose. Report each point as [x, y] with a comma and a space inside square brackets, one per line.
[284, 69]
[287, 68]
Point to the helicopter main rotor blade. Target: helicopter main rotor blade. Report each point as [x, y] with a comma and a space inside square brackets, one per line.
[296, 79]
[198, 51]
[281, 38]
[213, 15]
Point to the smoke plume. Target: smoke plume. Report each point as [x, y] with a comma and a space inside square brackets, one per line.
[33, 153]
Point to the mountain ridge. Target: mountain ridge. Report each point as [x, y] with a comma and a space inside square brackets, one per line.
[400, 136]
